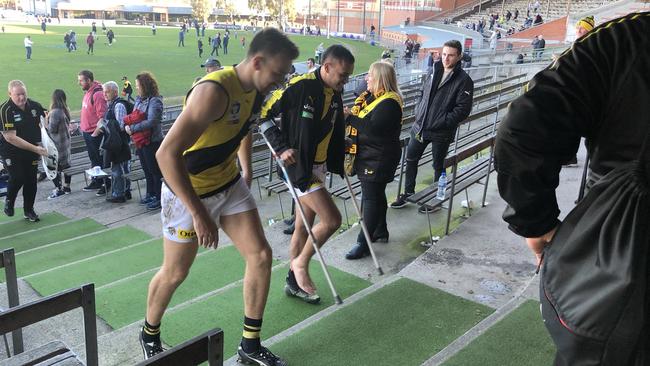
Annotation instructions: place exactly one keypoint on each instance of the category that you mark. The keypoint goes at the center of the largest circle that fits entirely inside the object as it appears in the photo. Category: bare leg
(245, 230)
(177, 260)
(320, 203)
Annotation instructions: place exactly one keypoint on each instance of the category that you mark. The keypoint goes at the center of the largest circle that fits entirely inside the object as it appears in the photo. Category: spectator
(203, 29)
(311, 65)
(153, 28)
(493, 40)
(211, 64)
(508, 15)
(538, 20)
(90, 41)
(200, 47)
(150, 103)
(516, 14)
(243, 42)
(58, 126)
(93, 108)
(181, 37)
(520, 59)
(535, 45)
(446, 101)
(115, 143)
(377, 120)
(226, 39)
(20, 147)
(584, 26)
(28, 47)
(215, 47)
(127, 89)
(43, 26)
(66, 41)
(93, 28)
(582, 95)
(110, 36)
(73, 40)
(541, 44)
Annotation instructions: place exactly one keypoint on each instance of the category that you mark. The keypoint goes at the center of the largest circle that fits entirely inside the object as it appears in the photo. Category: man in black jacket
(601, 96)
(311, 141)
(446, 102)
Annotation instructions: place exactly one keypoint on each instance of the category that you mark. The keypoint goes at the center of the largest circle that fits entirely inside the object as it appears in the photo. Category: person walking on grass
(90, 41)
(204, 190)
(28, 47)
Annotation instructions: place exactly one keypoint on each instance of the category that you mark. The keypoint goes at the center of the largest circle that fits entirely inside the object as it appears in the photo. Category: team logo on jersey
(34, 114)
(235, 108)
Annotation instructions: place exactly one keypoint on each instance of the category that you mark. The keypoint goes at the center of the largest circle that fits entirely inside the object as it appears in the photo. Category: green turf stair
(44, 234)
(18, 216)
(9, 229)
(225, 309)
(402, 323)
(520, 339)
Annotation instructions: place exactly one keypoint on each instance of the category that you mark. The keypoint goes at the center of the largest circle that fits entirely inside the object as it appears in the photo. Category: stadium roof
(133, 6)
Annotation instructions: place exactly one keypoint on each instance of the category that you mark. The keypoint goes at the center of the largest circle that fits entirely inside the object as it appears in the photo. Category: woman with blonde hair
(375, 123)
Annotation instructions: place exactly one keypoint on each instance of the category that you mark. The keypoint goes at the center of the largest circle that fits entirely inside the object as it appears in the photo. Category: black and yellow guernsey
(211, 161)
(311, 122)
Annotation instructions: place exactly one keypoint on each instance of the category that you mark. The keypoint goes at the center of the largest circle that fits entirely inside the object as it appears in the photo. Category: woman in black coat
(375, 123)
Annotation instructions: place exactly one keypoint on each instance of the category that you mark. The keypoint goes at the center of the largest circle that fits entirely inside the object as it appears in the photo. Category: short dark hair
(271, 42)
(454, 44)
(338, 52)
(87, 74)
(311, 59)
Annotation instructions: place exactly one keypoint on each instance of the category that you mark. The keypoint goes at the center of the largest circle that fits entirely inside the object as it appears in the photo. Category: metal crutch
(292, 191)
(363, 225)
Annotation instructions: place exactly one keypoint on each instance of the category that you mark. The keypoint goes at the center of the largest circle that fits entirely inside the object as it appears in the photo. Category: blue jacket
(153, 107)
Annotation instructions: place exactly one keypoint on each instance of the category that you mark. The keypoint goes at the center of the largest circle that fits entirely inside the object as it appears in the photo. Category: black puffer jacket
(599, 89)
(451, 104)
(378, 147)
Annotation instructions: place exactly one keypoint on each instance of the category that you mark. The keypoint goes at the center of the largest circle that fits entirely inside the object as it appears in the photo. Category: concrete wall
(554, 30)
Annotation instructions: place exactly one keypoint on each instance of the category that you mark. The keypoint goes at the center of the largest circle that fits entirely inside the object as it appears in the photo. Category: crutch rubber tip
(338, 300)
(381, 271)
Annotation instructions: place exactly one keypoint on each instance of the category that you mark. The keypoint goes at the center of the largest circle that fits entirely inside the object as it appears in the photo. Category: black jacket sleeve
(542, 128)
(271, 109)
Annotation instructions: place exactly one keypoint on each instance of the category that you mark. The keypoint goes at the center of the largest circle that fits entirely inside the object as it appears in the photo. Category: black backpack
(594, 287)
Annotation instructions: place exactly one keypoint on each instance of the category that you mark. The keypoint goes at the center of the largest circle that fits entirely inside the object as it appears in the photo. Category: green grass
(125, 302)
(20, 226)
(520, 339)
(30, 240)
(135, 50)
(403, 323)
(225, 310)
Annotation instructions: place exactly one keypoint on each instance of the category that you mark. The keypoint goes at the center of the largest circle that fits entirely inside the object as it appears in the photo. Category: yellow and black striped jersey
(211, 161)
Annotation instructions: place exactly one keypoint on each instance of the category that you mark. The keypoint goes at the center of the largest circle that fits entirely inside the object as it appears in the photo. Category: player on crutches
(311, 142)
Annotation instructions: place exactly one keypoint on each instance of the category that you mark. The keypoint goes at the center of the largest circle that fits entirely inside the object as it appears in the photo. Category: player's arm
(207, 102)
(244, 156)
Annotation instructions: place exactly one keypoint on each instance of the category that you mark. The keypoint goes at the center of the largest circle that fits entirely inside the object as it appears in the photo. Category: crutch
(363, 225)
(292, 191)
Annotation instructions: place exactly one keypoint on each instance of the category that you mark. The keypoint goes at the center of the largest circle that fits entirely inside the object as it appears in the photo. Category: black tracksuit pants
(22, 174)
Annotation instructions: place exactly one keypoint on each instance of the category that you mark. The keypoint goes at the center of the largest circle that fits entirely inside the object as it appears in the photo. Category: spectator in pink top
(90, 41)
(93, 108)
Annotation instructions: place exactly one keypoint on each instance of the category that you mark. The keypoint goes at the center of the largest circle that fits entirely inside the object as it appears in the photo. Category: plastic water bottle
(442, 185)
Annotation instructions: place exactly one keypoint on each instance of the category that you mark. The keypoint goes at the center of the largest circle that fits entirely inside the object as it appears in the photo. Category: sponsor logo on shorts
(186, 234)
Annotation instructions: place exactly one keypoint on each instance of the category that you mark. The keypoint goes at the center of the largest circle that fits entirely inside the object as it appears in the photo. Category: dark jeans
(29, 52)
(414, 152)
(147, 155)
(373, 201)
(92, 145)
(91, 48)
(22, 174)
(225, 49)
(214, 50)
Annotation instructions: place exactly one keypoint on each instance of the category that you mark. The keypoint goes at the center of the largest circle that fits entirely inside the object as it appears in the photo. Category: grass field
(134, 50)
